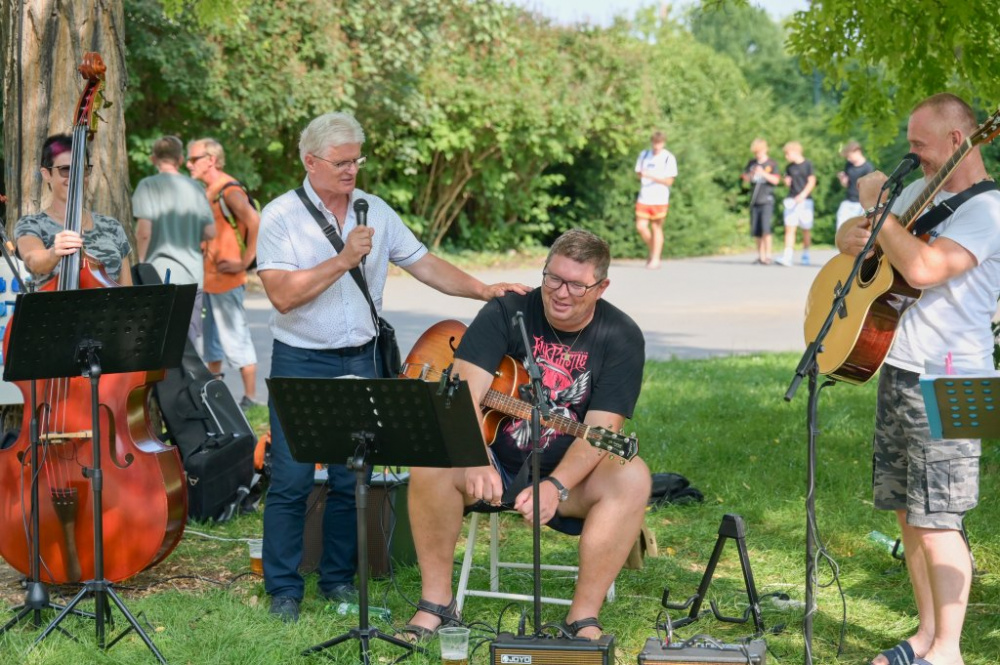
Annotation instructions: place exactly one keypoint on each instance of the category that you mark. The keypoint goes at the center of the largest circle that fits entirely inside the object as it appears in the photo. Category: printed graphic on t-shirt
(568, 382)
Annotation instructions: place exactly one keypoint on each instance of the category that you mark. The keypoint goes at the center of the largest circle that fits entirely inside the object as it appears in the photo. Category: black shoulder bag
(388, 347)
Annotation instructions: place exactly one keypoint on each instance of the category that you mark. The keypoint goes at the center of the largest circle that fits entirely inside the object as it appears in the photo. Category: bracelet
(874, 209)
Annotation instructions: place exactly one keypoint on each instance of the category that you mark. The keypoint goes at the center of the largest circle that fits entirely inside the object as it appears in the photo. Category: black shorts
(760, 219)
(512, 486)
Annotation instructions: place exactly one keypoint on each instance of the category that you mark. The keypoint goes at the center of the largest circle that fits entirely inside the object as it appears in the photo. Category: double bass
(144, 497)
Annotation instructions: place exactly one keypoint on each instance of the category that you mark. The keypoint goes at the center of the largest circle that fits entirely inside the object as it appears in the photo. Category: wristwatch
(563, 492)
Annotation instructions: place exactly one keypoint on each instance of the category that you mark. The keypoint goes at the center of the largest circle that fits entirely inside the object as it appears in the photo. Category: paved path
(690, 308)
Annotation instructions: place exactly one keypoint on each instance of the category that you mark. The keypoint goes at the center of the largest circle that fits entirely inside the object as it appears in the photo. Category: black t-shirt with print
(598, 370)
(854, 174)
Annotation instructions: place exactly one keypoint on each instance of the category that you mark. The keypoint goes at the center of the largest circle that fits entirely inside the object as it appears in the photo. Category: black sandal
(447, 613)
(575, 627)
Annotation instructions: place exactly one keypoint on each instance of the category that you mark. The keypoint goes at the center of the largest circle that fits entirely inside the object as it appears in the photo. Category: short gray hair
(329, 131)
(583, 247)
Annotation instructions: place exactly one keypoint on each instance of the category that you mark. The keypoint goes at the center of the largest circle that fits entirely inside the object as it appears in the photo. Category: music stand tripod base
(376, 422)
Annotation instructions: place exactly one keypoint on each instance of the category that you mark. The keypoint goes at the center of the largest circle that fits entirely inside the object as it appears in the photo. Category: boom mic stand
(808, 366)
(535, 393)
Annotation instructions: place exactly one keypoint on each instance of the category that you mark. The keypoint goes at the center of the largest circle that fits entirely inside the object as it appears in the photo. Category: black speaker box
(508, 649)
(388, 522)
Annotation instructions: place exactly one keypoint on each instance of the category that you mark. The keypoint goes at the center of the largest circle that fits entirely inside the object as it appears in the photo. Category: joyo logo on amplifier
(506, 659)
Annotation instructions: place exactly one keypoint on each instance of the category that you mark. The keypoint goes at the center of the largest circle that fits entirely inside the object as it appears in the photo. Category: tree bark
(43, 42)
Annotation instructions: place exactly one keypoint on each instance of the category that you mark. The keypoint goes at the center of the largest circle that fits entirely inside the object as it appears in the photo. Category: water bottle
(885, 541)
(351, 609)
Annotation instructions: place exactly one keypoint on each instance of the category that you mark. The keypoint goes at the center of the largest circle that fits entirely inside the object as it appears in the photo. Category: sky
(601, 11)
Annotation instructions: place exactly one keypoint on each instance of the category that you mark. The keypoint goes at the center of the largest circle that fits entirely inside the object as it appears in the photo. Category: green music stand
(962, 407)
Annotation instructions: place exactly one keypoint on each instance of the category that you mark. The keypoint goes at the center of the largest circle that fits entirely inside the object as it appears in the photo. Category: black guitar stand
(368, 422)
(36, 595)
(733, 528)
(114, 330)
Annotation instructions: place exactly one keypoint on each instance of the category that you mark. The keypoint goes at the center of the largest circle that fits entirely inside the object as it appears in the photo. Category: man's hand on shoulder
(492, 291)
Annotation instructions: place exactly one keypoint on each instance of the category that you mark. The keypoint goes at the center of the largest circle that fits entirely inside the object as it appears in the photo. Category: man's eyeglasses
(576, 289)
(195, 158)
(344, 165)
(64, 170)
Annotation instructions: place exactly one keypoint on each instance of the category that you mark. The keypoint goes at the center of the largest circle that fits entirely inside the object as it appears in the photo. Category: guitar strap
(944, 210)
(331, 234)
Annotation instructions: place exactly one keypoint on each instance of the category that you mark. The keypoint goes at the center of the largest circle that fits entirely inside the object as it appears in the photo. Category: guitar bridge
(842, 310)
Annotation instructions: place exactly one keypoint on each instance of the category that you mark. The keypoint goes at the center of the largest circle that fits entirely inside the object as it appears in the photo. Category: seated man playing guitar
(591, 356)
(930, 483)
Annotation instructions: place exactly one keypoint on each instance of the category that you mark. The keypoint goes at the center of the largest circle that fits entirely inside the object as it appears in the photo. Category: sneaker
(805, 259)
(285, 608)
(341, 593)
(247, 403)
(782, 261)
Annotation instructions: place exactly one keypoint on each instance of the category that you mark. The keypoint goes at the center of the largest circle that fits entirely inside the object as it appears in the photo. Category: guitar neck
(934, 185)
(519, 409)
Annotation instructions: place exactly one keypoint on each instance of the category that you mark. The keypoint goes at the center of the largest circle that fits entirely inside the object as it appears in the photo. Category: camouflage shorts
(936, 481)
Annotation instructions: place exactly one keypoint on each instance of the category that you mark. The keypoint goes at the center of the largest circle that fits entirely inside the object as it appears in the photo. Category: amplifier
(508, 649)
(703, 653)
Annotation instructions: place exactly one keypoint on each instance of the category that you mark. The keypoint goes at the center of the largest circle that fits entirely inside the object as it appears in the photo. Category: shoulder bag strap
(943, 210)
(331, 234)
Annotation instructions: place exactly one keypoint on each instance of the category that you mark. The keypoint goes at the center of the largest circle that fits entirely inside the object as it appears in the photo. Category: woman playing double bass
(41, 238)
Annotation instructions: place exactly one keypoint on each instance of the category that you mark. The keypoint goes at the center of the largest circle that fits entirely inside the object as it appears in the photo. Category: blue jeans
(292, 481)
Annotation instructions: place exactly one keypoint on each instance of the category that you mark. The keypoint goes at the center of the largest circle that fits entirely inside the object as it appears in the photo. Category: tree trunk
(43, 42)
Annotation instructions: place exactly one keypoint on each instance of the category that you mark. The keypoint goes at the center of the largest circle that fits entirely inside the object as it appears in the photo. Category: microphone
(909, 163)
(361, 212)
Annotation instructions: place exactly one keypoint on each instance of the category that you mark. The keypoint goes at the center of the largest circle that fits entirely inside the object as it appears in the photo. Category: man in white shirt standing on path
(657, 168)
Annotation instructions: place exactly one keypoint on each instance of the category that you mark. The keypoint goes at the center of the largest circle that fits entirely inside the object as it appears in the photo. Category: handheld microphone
(361, 212)
(909, 163)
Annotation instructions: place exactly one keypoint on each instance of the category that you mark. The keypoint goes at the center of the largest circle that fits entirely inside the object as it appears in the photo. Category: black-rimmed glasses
(576, 289)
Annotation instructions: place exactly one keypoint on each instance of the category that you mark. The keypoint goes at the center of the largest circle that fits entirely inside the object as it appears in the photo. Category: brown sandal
(416, 634)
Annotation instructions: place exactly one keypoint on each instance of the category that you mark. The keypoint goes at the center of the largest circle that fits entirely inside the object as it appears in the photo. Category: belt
(352, 350)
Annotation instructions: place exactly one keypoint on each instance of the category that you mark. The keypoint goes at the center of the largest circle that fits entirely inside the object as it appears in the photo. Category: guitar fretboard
(519, 409)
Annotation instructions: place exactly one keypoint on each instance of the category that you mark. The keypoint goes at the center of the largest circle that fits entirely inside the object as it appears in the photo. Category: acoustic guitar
(434, 352)
(863, 329)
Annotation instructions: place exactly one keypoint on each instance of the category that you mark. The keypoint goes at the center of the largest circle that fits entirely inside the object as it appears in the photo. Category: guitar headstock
(987, 131)
(615, 443)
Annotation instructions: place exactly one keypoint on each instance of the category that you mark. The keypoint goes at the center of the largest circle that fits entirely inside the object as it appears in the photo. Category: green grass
(724, 425)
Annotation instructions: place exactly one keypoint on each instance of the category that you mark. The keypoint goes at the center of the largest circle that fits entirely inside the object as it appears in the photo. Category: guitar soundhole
(868, 269)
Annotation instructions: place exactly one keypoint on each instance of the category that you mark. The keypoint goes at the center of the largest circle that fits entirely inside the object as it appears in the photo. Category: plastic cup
(454, 645)
(256, 548)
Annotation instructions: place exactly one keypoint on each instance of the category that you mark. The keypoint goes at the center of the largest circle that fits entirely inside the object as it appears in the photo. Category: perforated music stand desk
(135, 326)
(89, 333)
(362, 422)
(962, 407)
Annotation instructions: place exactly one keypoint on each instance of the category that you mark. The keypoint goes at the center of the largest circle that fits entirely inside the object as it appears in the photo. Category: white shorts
(848, 210)
(799, 214)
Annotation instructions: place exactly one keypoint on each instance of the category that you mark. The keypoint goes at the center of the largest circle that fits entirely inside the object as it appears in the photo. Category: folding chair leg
(470, 545)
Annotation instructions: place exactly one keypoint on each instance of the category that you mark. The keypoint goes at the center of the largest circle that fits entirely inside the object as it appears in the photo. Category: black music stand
(404, 422)
(90, 332)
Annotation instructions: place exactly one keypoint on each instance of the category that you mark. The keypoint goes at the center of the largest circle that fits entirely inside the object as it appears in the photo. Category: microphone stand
(808, 366)
(36, 595)
(535, 393)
